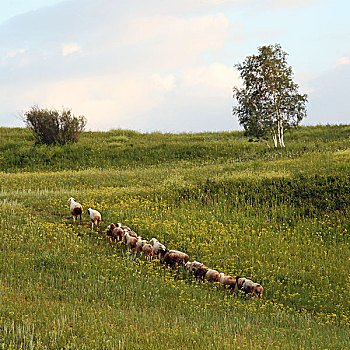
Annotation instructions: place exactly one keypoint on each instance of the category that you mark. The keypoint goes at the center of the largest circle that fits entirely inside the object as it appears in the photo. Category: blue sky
(166, 65)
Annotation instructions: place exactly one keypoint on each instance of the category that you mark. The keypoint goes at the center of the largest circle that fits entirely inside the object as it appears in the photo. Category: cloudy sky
(166, 65)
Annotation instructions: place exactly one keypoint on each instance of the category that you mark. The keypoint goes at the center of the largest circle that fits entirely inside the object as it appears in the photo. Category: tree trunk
(274, 138)
(280, 134)
(279, 122)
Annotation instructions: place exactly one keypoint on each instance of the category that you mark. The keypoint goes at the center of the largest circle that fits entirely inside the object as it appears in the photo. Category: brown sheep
(147, 251)
(123, 227)
(250, 287)
(174, 258)
(109, 230)
(139, 244)
(197, 269)
(227, 281)
(212, 275)
(115, 233)
(239, 282)
(258, 290)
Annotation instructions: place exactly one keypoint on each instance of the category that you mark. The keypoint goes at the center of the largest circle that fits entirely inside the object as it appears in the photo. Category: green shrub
(54, 127)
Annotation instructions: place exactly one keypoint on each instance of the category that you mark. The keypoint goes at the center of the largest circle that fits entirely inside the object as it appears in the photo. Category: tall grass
(120, 148)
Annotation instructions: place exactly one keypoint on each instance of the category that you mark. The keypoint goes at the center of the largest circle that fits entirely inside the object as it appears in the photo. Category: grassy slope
(280, 217)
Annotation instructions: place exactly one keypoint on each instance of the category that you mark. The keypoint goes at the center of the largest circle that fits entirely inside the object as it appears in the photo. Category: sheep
(197, 269)
(130, 241)
(227, 281)
(115, 233)
(123, 227)
(75, 208)
(212, 275)
(188, 266)
(239, 282)
(109, 231)
(139, 244)
(258, 290)
(175, 258)
(147, 251)
(250, 287)
(95, 217)
(130, 233)
(159, 249)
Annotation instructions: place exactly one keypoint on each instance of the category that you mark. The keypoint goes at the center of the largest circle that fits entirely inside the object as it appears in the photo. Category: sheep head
(258, 290)
(153, 241)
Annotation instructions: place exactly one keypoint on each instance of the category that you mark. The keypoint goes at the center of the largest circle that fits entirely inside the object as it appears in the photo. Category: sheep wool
(159, 249)
(130, 241)
(75, 208)
(95, 217)
(147, 251)
(212, 275)
(175, 258)
(227, 281)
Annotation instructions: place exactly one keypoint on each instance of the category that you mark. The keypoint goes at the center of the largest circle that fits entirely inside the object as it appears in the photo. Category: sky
(165, 65)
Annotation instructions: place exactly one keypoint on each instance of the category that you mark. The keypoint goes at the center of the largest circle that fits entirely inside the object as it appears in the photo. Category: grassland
(280, 217)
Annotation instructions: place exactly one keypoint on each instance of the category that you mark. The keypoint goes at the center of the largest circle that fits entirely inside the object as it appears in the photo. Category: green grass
(280, 217)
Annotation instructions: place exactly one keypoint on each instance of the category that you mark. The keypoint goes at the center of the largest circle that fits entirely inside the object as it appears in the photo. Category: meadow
(278, 216)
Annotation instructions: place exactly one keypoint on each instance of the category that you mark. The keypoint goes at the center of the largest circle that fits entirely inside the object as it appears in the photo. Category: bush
(54, 127)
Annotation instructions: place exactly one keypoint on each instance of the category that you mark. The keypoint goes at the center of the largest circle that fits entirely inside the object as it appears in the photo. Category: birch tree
(268, 104)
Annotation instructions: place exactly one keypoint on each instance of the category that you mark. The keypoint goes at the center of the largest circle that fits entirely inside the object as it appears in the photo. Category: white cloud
(171, 42)
(69, 48)
(199, 98)
(167, 82)
(215, 76)
(14, 53)
(343, 60)
(132, 69)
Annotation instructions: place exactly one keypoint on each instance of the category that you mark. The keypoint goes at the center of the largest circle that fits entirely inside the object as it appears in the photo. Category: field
(279, 217)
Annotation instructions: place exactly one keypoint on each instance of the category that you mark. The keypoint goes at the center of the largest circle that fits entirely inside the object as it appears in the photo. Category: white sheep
(95, 217)
(75, 208)
(130, 233)
(159, 249)
(130, 241)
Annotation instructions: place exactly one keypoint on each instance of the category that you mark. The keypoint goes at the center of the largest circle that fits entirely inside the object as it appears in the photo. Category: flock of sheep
(173, 258)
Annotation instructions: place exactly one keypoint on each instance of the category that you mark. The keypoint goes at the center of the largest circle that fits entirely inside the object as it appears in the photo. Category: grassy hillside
(279, 217)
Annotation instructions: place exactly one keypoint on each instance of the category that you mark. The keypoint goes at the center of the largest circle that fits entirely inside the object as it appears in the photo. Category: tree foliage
(269, 102)
(54, 127)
